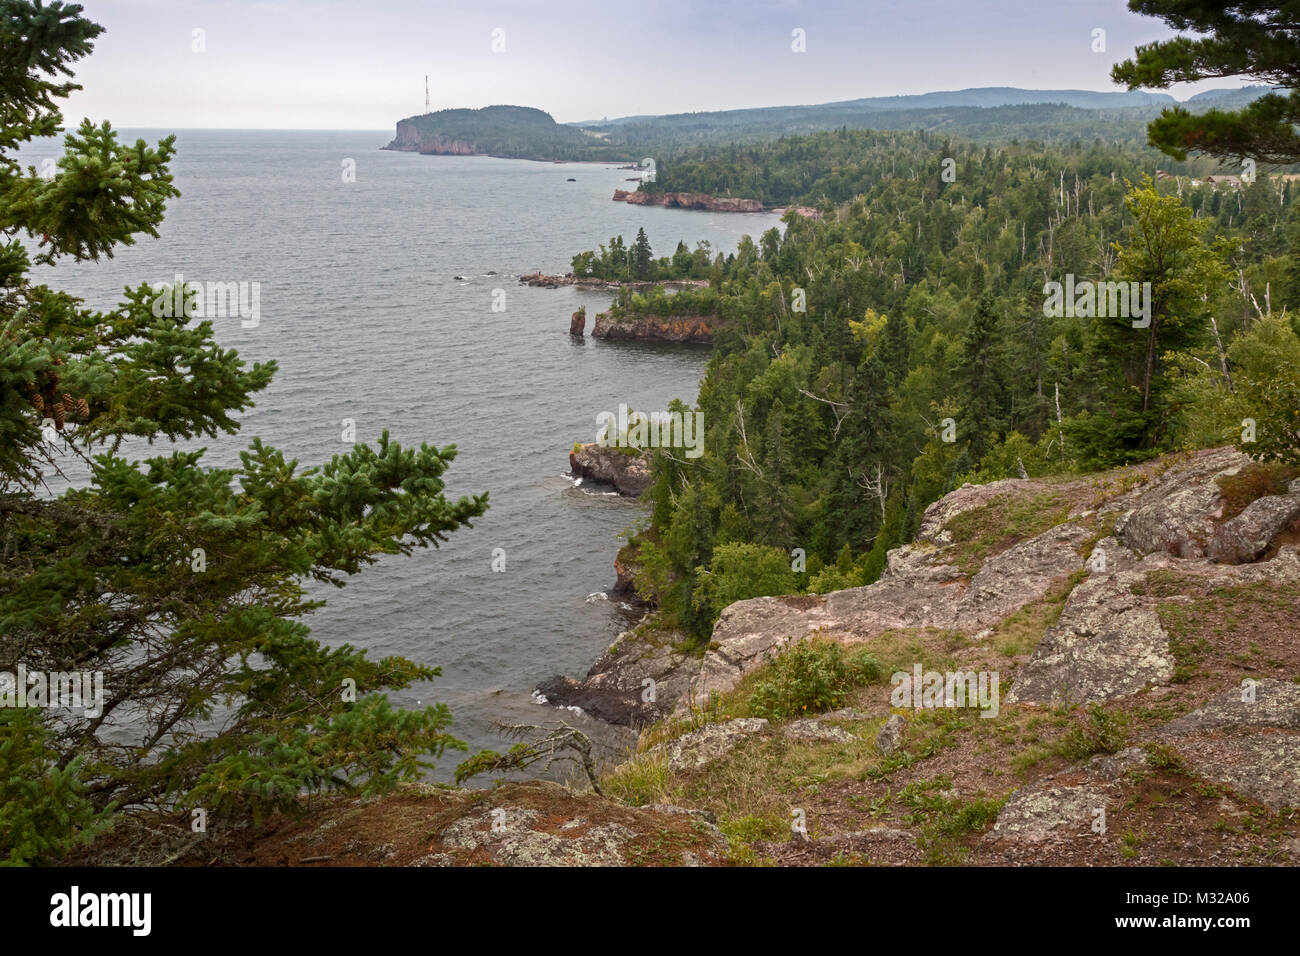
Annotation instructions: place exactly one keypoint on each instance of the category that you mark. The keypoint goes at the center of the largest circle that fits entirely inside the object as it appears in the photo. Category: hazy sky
(340, 64)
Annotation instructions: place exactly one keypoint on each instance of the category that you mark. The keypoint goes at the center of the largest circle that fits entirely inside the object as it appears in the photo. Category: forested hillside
(840, 164)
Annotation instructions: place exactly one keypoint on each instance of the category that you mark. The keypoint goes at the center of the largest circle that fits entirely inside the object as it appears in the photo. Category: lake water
(361, 309)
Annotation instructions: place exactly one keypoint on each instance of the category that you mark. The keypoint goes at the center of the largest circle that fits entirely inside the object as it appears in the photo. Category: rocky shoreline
(703, 201)
(1109, 642)
(542, 281)
(679, 329)
(688, 201)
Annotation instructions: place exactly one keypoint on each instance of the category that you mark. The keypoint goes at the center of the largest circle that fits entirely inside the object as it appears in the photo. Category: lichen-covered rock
(1107, 643)
(1041, 812)
(1265, 703)
(1176, 512)
(699, 748)
(890, 737)
(968, 497)
(1248, 738)
(1263, 766)
(551, 826)
(1066, 805)
(919, 589)
(815, 730)
(1248, 536)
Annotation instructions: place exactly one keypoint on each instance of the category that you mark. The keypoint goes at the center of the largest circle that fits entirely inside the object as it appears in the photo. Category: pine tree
(982, 388)
(641, 257)
(1257, 39)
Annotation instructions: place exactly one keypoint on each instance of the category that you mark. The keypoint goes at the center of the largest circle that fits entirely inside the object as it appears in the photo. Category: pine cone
(83, 409)
(38, 403)
(58, 415)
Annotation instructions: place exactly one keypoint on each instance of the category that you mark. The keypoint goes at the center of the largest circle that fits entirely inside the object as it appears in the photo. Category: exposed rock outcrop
(687, 201)
(578, 322)
(629, 474)
(1178, 512)
(1066, 805)
(699, 748)
(544, 824)
(1247, 536)
(919, 589)
(1248, 738)
(634, 683)
(693, 329)
(1109, 642)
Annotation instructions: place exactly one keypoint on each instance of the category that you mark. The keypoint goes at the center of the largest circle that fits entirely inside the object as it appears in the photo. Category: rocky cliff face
(628, 474)
(1108, 641)
(692, 329)
(410, 140)
(687, 201)
(1136, 593)
(1113, 535)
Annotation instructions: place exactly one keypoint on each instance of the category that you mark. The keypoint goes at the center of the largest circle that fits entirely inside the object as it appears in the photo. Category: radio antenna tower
(426, 94)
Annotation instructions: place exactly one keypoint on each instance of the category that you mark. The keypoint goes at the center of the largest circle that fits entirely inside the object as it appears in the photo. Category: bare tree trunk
(1223, 358)
(1151, 364)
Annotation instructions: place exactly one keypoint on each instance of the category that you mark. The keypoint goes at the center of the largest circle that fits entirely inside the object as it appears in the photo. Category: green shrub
(1103, 732)
(810, 677)
(43, 812)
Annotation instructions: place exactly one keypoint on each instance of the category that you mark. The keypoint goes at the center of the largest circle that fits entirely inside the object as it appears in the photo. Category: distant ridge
(981, 96)
(982, 114)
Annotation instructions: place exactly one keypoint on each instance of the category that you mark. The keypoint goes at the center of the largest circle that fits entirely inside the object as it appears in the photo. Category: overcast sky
(342, 64)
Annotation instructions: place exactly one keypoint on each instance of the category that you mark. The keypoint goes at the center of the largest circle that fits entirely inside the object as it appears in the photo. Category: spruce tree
(182, 584)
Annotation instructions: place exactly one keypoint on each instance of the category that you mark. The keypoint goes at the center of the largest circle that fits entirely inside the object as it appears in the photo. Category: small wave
(597, 597)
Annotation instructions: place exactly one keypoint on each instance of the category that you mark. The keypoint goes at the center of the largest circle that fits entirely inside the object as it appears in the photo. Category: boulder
(578, 323)
(1107, 643)
(1248, 536)
(699, 748)
(1176, 512)
(890, 737)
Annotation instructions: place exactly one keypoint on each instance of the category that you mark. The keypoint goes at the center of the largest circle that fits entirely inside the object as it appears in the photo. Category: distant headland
(508, 132)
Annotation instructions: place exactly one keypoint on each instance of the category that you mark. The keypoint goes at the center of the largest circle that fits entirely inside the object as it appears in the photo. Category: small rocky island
(626, 471)
(638, 197)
